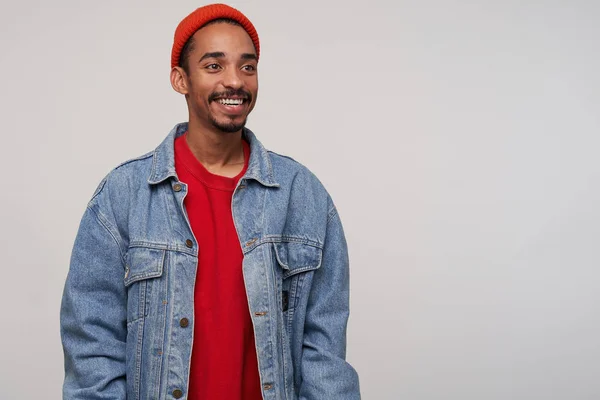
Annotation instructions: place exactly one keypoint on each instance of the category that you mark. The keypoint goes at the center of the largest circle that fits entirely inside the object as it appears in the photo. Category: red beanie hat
(203, 15)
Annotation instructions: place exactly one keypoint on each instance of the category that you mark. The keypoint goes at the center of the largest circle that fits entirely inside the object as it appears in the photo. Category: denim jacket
(133, 268)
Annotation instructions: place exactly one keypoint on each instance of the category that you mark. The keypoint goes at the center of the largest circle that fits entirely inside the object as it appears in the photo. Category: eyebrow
(249, 56)
(220, 54)
(214, 54)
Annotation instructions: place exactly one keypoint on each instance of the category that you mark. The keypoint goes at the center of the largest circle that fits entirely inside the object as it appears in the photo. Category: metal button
(189, 243)
(177, 187)
(177, 393)
(267, 386)
(184, 322)
(250, 242)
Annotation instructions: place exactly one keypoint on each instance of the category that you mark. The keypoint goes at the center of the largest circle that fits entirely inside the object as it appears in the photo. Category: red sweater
(224, 364)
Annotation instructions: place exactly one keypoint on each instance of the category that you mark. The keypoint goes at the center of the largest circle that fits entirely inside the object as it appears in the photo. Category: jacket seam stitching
(332, 213)
(152, 177)
(160, 246)
(103, 222)
(283, 239)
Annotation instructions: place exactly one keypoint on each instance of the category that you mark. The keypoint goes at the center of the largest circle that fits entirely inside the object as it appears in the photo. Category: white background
(459, 140)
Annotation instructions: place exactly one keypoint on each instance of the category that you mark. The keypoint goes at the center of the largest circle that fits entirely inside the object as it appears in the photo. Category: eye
(249, 68)
(213, 66)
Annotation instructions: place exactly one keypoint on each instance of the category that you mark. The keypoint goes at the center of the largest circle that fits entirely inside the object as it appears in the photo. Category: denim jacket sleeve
(93, 312)
(325, 372)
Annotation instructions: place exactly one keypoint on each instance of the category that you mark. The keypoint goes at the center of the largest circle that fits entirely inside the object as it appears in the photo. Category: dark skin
(220, 91)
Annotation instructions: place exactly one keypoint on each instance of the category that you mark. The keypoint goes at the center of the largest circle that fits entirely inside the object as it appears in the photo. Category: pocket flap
(143, 263)
(297, 257)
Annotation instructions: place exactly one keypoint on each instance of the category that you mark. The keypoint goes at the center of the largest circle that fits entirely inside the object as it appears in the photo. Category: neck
(215, 149)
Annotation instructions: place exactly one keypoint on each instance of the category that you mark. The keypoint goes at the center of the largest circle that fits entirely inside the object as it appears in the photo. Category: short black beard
(230, 127)
(227, 128)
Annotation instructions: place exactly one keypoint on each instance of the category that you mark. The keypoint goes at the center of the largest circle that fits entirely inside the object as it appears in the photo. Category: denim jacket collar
(163, 164)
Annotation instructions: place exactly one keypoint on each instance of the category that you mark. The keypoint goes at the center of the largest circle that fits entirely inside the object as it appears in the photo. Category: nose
(232, 78)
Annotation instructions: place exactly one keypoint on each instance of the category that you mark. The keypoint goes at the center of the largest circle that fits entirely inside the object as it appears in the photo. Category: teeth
(231, 102)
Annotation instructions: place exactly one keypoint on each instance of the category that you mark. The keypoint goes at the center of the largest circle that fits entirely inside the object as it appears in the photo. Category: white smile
(231, 102)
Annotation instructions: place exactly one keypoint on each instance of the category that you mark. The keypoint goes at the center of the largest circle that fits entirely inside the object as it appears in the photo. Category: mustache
(230, 93)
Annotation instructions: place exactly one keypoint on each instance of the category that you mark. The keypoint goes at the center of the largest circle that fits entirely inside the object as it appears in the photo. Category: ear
(179, 80)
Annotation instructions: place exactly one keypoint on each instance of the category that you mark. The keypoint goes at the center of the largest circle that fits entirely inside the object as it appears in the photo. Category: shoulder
(299, 179)
(286, 167)
(129, 174)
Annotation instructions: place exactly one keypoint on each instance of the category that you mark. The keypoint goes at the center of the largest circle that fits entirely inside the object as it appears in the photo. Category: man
(209, 268)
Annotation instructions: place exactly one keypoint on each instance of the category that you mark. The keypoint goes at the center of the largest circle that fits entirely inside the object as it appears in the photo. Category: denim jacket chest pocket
(295, 260)
(143, 267)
